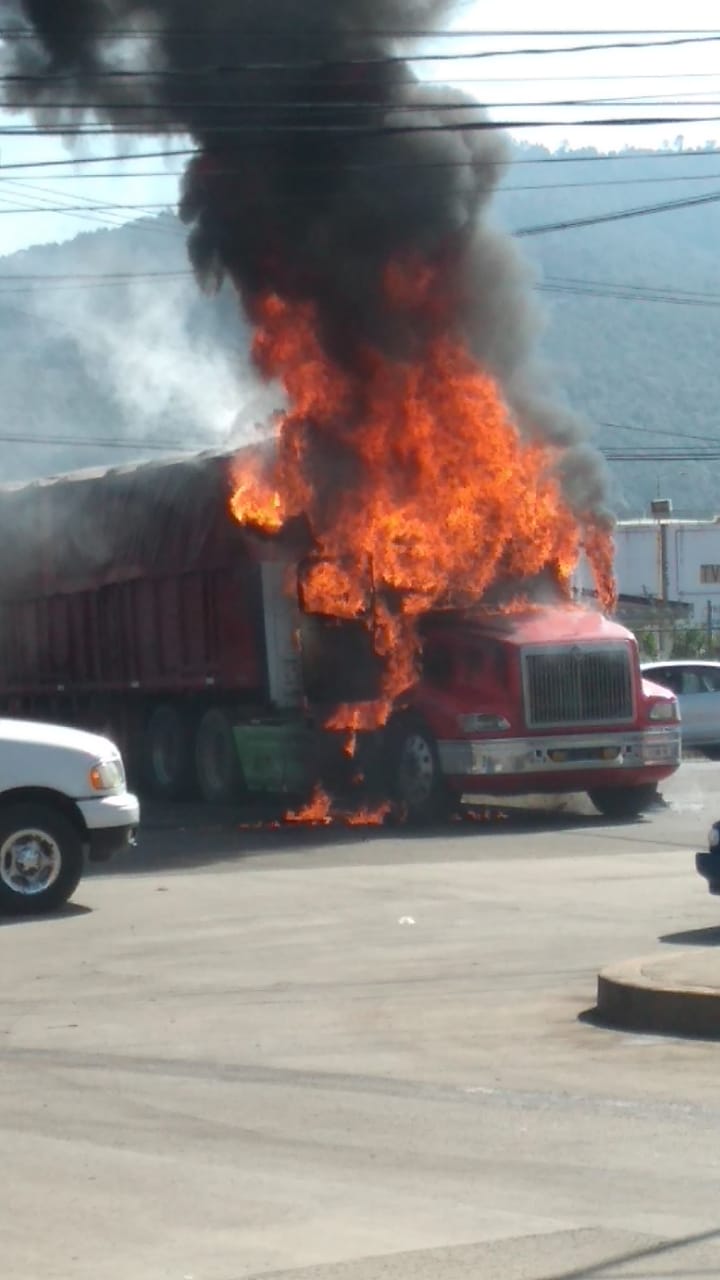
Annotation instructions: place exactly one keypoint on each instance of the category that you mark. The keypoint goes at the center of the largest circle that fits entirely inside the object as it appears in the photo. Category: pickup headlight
(480, 722)
(665, 711)
(107, 776)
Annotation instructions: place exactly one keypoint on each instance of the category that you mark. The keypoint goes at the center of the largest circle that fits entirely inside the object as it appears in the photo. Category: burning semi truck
(226, 659)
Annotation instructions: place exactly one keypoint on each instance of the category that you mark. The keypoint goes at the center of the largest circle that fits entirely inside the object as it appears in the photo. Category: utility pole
(660, 507)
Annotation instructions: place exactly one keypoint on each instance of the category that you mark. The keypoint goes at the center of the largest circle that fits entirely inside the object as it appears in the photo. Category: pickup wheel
(217, 765)
(168, 754)
(41, 859)
(624, 802)
(417, 781)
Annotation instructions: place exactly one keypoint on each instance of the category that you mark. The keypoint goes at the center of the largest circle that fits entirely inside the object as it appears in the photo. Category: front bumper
(708, 866)
(112, 823)
(563, 754)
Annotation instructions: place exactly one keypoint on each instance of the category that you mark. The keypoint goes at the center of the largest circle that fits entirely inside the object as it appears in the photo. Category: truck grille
(577, 686)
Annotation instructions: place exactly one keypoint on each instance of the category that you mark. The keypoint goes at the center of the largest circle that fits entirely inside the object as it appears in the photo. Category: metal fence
(678, 640)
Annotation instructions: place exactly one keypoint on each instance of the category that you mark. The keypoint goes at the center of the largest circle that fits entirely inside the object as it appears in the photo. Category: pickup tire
(624, 802)
(418, 785)
(41, 859)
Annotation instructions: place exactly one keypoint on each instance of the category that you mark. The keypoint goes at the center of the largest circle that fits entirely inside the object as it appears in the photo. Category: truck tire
(417, 783)
(167, 754)
(624, 802)
(217, 765)
(41, 859)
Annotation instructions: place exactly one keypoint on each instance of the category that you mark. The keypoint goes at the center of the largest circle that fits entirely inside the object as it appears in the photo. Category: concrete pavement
(351, 1058)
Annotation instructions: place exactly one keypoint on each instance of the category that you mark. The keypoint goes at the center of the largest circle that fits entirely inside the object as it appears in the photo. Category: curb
(634, 996)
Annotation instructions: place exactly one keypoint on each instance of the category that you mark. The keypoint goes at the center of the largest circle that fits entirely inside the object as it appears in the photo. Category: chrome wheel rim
(30, 862)
(417, 769)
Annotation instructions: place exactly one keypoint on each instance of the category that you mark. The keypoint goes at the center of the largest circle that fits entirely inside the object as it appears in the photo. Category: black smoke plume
(321, 157)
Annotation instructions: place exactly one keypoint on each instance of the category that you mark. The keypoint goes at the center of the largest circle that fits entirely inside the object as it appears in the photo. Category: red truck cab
(550, 699)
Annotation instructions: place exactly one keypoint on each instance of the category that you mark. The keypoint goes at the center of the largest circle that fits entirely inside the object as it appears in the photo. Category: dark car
(708, 864)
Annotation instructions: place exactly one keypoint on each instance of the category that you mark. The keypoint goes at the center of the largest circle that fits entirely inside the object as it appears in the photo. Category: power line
(151, 208)
(628, 295)
(98, 442)
(26, 32)
(536, 186)
(350, 106)
(599, 288)
(651, 455)
(678, 454)
(81, 208)
(603, 182)
(98, 213)
(657, 431)
(263, 132)
(106, 159)
(661, 41)
(620, 215)
(636, 156)
(120, 277)
(640, 288)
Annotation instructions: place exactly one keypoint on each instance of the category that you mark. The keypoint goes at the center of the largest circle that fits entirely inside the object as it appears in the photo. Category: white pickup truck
(62, 798)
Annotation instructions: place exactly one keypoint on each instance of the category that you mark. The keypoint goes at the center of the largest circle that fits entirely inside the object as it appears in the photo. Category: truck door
(281, 616)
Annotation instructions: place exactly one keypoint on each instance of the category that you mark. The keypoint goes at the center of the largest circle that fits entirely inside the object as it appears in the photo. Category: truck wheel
(217, 765)
(41, 859)
(418, 784)
(624, 802)
(167, 751)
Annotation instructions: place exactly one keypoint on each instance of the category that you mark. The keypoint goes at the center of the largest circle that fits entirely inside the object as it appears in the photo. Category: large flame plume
(412, 473)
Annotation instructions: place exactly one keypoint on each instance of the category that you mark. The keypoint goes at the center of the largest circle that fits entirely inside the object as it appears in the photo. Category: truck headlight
(107, 776)
(480, 722)
(665, 711)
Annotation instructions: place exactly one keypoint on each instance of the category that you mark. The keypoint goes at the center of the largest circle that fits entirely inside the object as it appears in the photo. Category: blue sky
(688, 76)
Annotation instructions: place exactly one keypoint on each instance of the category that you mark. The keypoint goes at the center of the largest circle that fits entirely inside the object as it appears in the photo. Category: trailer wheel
(624, 802)
(41, 859)
(418, 784)
(167, 752)
(217, 764)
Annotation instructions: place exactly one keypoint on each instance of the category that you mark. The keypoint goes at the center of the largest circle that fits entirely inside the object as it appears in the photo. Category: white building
(671, 560)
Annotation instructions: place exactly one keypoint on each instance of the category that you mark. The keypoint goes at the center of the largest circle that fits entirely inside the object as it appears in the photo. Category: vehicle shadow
(709, 937)
(183, 837)
(70, 911)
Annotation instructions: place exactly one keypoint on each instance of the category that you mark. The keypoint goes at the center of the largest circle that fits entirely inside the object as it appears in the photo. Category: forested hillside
(151, 359)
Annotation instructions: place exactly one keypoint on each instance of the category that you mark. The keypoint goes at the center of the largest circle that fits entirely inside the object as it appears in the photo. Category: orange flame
(319, 812)
(368, 817)
(412, 466)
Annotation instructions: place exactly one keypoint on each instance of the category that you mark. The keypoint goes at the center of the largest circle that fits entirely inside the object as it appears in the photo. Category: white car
(697, 686)
(62, 798)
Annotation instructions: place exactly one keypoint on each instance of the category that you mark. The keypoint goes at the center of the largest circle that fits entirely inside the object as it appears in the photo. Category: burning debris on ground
(322, 811)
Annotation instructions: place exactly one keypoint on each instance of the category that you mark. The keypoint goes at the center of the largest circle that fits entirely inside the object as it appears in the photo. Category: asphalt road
(361, 1056)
